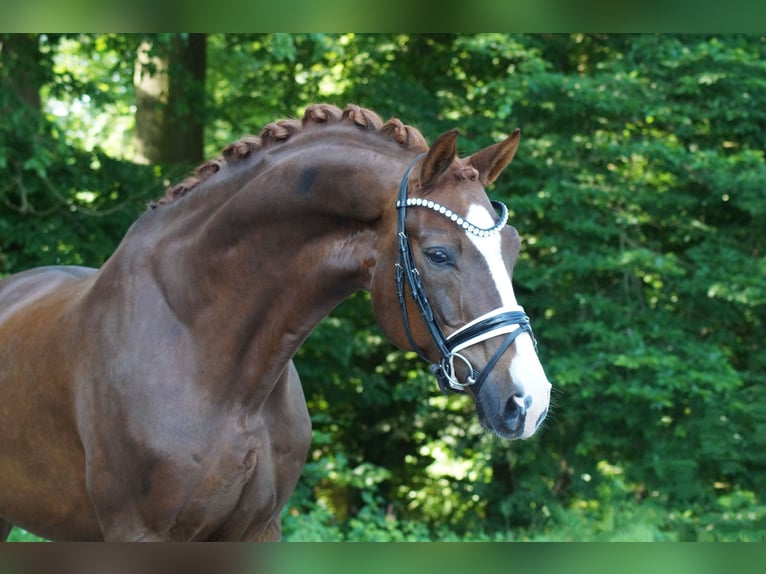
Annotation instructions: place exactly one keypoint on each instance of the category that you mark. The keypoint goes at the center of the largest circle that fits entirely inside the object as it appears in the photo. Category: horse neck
(266, 264)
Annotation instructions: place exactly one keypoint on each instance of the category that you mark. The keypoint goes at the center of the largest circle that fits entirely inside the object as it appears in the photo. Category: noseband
(511, 322)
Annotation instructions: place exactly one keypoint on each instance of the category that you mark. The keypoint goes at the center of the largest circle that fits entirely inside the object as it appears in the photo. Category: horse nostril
(522, 402)
(516, 410)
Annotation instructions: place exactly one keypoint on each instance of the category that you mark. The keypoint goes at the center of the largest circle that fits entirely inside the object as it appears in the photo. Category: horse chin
(504, 427)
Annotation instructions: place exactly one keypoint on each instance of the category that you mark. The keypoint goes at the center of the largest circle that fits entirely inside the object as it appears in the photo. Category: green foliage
(639, 190)
(20, 535)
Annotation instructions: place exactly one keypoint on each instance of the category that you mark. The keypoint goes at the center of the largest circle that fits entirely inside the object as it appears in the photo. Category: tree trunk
(170, 99)
(23, 73)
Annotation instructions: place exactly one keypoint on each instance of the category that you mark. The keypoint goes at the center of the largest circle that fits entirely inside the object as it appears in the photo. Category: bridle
(511, 322)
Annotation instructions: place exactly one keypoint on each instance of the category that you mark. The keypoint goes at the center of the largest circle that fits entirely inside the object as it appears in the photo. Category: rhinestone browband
(448, 213)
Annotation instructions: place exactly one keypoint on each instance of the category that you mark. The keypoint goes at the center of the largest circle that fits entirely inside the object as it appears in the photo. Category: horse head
(454, 256)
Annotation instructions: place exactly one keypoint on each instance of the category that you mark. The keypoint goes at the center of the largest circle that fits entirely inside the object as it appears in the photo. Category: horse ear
(492, 160)
(439, 157)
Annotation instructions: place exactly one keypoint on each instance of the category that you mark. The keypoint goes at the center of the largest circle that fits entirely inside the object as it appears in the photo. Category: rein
(511, 322)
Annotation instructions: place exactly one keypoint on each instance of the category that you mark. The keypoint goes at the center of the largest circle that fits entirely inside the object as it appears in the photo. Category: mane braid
(281, 131)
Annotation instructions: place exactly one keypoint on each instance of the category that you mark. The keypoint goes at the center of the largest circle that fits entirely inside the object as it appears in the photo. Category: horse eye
(439, 257)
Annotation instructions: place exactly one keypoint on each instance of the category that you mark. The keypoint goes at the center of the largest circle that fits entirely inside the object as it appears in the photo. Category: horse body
(126, 424)
(155, 398)
(38, 440)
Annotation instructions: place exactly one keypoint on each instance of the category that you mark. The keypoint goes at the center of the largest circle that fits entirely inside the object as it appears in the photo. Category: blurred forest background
(639, 190)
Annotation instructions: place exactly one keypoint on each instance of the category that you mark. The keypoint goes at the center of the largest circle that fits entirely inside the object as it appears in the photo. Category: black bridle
(511, 322)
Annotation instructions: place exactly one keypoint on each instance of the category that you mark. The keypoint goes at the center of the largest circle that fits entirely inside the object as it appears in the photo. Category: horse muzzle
(519, 416)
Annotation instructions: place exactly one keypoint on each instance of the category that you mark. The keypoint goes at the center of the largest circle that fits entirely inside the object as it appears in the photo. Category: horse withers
(156, 398)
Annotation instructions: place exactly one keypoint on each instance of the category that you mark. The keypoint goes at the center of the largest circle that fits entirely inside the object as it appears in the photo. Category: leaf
(36, 165)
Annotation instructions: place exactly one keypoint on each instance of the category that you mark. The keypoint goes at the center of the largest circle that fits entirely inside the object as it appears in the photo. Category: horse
(156, 399)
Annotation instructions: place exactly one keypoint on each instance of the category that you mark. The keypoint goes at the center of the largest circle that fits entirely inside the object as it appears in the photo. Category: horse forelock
(282, 131)
(466, 172)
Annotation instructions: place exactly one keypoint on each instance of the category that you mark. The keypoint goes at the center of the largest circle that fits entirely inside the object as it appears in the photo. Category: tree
(25, 68)
(58, 203)
(170, 96)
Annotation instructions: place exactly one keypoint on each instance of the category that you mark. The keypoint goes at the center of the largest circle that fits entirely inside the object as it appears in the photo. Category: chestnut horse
(155, 398)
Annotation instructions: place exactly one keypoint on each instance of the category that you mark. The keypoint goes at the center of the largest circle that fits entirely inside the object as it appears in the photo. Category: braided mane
(282, 130)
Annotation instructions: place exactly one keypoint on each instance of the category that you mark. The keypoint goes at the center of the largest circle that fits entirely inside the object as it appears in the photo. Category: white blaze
(525, 369)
